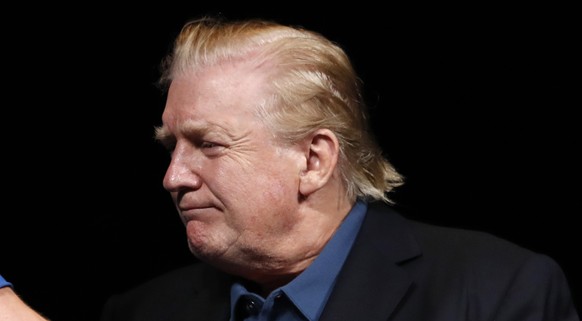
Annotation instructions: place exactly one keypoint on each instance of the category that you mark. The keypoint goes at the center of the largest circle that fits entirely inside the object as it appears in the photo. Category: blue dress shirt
(4, 283)
(303, 298)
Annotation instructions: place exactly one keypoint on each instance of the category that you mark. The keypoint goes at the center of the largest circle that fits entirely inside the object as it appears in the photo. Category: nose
(182, 172)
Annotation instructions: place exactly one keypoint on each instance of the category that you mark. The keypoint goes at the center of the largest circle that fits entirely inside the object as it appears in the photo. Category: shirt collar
(310, 290)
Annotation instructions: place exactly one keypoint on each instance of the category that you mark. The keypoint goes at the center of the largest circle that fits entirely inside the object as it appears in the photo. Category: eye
(208, 145)
(211, 149)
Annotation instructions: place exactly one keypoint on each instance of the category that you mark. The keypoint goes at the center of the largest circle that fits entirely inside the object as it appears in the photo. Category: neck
(298, 249)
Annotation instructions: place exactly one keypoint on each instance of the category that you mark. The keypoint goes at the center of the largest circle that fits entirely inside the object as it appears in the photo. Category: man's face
(235, 187)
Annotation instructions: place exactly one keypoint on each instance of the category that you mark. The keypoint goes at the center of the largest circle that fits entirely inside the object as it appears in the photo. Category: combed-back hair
(313, 85)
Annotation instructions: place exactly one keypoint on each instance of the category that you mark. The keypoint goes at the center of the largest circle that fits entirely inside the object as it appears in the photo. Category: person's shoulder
(479, 251)
(464, 246)
(178, 275)
(434, 236)
(174, 290)
(184, 280)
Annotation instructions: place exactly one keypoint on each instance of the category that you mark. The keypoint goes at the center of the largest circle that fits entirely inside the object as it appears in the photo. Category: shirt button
(251, 307)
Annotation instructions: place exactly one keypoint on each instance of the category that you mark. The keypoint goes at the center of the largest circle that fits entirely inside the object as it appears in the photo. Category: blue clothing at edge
(4, 283)
(304, 298)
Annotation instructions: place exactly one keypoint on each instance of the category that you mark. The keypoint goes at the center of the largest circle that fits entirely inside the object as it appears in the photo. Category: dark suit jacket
(397, 270)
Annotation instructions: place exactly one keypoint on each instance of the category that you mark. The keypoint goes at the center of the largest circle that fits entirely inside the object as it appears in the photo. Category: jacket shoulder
(479, 273)
(170, 296)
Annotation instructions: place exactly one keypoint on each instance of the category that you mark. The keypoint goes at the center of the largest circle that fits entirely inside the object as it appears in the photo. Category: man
(285, 198)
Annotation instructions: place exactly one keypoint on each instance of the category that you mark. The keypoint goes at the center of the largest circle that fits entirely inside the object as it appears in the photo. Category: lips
(193, 208)
(189, 213)
(189, 204)
(187, 201)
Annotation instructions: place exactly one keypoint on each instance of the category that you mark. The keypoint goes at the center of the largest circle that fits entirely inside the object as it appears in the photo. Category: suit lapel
(371, 284)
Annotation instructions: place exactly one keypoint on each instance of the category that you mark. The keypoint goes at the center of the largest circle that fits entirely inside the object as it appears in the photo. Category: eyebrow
(189, 128)
(163, 136)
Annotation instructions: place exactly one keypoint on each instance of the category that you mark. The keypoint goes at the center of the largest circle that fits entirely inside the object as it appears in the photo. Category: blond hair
(314, 86)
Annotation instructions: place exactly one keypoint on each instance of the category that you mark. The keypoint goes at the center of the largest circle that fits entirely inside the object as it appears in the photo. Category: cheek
(260, 194)
(268, 179)
(267, 201)
(261, 188)
(278, 190)
(279, 203)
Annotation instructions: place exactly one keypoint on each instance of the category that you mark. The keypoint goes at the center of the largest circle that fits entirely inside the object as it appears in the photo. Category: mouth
(195, 213)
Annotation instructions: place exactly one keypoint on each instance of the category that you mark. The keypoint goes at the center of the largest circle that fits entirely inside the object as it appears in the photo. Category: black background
(474, 105)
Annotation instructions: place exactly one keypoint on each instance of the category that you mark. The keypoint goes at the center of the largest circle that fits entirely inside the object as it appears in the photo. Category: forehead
(223, 92)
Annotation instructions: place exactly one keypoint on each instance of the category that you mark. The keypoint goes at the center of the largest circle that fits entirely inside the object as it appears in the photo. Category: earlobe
(322, 154)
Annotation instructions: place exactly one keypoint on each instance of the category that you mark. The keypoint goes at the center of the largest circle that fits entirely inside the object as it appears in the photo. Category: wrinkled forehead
(242, 74)
(241, 81)
(238, 88)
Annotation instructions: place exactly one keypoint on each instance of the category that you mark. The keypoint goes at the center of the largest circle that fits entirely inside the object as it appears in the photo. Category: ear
(322, 154)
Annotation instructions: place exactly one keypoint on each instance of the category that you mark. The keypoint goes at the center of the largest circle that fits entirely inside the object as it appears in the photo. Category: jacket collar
(371, 281)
